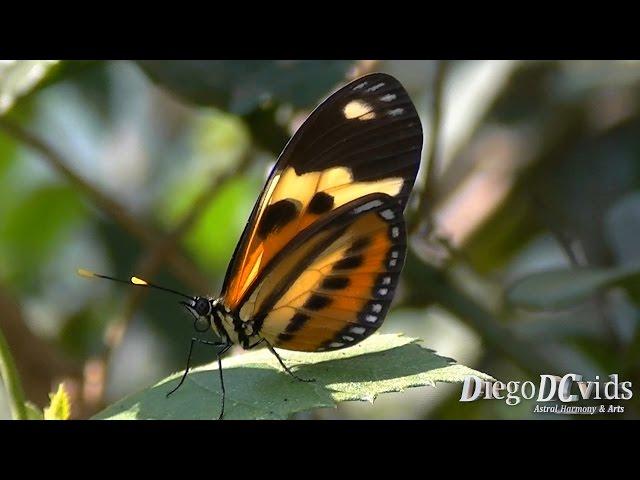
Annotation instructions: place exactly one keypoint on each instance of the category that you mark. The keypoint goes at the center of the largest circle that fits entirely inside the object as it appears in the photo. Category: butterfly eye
(202, 307)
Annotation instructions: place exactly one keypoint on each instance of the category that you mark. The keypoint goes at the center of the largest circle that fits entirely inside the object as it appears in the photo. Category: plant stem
(12, 384)
(427, 194)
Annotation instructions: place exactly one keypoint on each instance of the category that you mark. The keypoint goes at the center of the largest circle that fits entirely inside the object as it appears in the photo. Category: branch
(427, 193)
(102, 201)
(184, 269)
(163, 250)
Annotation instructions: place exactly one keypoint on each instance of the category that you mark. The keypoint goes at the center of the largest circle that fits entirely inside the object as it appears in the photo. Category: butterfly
(318, 262)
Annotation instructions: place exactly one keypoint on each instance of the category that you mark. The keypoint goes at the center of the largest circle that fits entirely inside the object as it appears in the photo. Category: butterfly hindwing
(338, 288)
(366, 138)
(343, 295)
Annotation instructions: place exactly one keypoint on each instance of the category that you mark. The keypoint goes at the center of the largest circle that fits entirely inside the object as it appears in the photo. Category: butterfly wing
(365, 138)
(334, 287)
(344, 294)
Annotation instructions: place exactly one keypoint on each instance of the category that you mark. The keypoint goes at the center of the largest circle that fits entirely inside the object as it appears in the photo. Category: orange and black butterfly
(318, 262)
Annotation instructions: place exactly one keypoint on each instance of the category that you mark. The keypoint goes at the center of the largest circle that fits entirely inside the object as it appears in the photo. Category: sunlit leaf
(60, 406)
(257, 388)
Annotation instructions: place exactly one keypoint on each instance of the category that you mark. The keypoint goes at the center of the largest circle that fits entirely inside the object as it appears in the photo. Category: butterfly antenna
(138, 282)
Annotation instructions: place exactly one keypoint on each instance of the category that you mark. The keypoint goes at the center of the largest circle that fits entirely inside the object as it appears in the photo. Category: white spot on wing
(388, 97)
(388, 214)
(383, 291)
(375, 87)
(394, 254)
(360, 86)
(376, 307)
(371, 318)
(358, 330)
(336, 344)
(367, 206)
(393, 263)
(386, 281)
(347, 338)
(395, 232)
(395, 112)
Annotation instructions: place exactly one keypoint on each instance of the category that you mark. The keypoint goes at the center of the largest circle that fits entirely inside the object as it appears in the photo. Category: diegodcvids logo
(550, 388)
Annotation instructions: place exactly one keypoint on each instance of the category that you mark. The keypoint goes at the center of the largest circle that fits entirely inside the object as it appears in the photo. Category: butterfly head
(201, 308)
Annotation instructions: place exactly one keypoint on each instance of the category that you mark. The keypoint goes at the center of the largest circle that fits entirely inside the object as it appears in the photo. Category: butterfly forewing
(364, 139)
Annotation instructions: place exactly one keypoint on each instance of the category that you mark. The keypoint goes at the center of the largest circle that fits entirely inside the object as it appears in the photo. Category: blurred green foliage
(242, 87)
(539, 171)
(566, 288)
(29, 236)
(253, 90)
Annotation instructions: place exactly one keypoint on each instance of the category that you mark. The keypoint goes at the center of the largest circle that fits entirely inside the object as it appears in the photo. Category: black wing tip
(371, 79)
(377, 76)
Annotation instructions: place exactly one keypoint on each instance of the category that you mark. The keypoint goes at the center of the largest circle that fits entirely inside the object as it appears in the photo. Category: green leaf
(241, 86)
(33, 412)
(60, 407)
(258, 388)
(566, 288)
(19, 77)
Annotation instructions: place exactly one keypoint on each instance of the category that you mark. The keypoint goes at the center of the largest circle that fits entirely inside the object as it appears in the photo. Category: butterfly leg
(287, 369)
(186, 370)
(220, 353)
(259, 342)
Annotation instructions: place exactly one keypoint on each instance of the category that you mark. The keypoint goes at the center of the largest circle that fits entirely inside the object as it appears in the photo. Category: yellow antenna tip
(138, 281)
(85, 273)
